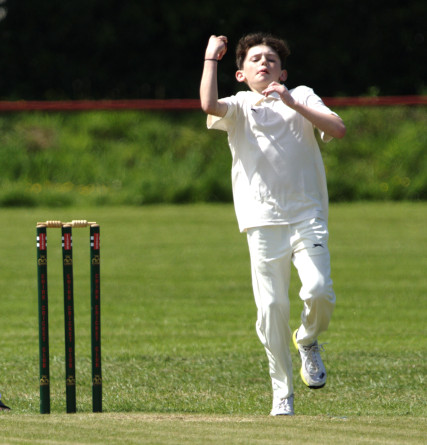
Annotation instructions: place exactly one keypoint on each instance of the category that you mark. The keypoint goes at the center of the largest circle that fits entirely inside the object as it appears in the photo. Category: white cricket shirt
(278, 175)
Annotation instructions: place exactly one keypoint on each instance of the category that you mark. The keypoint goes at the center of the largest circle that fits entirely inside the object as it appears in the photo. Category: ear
(240, 76)
(283, 76)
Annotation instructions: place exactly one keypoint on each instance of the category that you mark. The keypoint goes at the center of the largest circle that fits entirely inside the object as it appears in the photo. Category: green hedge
(382, 157)
(130, 157)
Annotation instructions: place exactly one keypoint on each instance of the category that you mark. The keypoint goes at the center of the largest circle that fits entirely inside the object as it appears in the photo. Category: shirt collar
(260, 98)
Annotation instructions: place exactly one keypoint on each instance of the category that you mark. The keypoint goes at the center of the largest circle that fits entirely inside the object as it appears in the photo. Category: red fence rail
(186, 104)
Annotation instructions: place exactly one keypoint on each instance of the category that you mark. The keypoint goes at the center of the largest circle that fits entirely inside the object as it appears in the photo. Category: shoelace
(286, 404)
(312, 351)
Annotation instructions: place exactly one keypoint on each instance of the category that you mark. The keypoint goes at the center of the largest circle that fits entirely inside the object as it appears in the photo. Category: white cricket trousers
(272, 250)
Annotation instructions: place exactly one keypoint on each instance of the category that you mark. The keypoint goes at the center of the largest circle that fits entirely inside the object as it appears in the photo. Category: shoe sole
(294, 339)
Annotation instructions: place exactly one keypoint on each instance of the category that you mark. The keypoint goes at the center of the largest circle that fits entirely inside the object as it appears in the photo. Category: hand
(283, 92)
(330, 124)
(217, 47)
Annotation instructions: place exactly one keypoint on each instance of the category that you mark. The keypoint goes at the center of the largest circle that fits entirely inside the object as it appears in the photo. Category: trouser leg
(314, 270)
(270, 263)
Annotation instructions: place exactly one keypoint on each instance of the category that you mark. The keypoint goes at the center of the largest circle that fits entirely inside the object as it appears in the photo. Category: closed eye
(269, 56)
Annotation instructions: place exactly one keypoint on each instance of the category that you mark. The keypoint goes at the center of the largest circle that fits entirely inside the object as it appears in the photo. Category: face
(261, 67)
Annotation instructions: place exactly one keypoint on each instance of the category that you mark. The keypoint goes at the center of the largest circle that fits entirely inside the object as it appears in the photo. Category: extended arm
(210, 104)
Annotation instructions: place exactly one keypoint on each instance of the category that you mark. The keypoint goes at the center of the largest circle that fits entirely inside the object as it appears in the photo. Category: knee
(273, 323)
(272, 308)
(319, 290)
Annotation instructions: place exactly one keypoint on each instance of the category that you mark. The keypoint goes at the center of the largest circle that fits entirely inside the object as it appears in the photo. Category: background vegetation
(154, 49)
(100, 158)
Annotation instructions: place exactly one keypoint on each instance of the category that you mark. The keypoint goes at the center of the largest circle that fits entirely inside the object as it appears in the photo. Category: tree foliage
(154, 49)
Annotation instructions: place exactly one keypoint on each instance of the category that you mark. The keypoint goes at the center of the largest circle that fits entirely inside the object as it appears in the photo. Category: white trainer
(313, 372)
(283, 407)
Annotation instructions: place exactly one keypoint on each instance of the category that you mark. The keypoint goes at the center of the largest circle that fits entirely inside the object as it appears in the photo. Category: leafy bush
(382, 157)
(130, 157)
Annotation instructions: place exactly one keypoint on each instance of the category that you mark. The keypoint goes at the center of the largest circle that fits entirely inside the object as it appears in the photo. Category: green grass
(181, 360)
(155, 429)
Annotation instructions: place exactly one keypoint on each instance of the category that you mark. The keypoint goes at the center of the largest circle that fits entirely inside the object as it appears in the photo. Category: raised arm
(217, 47)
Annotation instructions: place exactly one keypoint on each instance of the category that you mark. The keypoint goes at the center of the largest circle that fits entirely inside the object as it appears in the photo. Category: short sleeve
(312, 100)
(223, 123)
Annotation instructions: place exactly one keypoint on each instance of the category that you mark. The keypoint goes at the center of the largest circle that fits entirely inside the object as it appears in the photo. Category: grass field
(181, 360)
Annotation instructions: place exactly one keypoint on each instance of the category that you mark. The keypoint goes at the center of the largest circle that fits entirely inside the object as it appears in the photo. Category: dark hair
(259, 38)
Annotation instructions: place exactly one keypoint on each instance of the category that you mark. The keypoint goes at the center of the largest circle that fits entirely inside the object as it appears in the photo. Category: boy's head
(260, 60)
(259, 38)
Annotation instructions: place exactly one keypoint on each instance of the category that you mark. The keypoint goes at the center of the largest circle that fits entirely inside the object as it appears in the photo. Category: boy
(280, 198)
